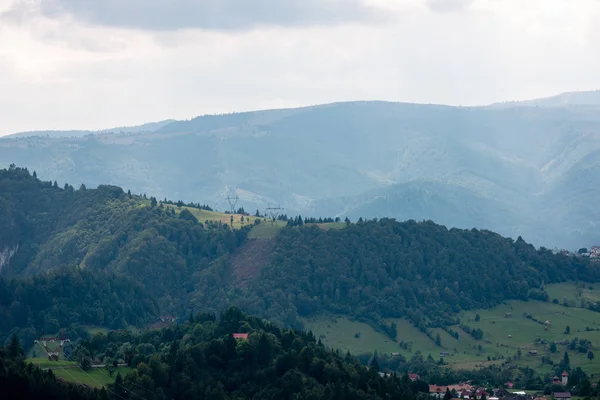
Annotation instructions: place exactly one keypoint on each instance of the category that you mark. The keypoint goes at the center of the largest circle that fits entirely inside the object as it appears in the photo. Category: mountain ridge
(322, 160)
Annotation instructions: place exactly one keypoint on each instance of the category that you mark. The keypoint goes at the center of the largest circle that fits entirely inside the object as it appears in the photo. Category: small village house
(414, 377)
(240, 336)
(562, 396)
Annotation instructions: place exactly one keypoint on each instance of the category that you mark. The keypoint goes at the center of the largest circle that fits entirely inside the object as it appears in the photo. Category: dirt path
(250, 258)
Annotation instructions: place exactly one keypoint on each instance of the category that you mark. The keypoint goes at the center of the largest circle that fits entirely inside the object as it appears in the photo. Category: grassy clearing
(332, 225)
(338, 333)
(96, 377)
(213, 216)
(503, 337)
(45, 363)
(573, 293)
(96, 329)
(265, 230)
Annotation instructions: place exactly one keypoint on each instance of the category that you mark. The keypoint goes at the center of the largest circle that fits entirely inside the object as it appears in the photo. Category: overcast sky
(91, 64)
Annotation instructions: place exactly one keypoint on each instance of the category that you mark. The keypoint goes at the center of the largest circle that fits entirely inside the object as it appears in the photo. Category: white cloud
(59, 72)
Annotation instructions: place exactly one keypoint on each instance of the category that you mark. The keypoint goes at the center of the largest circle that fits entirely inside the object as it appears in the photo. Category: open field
(265, 230)
(96, 329)
(96, 377)
(43, 362)
(213, 216)
(573, 293)
(338, 333)
(503, 336)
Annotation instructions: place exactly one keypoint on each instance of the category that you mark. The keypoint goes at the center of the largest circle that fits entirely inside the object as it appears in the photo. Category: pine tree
(374, 363)
(14, 350)
(448, 394)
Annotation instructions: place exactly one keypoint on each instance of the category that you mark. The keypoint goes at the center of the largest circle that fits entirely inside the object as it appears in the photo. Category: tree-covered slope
(382, 269)
(97, 256)
(200, 359)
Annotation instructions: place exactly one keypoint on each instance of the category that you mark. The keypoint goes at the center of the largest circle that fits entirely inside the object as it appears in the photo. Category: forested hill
(200, 359)
(109, 258)
(96, 256)
(380, 269)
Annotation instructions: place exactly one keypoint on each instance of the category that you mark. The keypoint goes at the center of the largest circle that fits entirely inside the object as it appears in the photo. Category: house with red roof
(414, 377)
(240, 336)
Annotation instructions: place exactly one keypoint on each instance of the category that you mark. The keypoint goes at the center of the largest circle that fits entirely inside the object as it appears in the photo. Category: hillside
(569, 99)
(383, 269)
(200, 359)
(132, 259)
(516, 170)
(97, 256)
(503, 338)
(144, 128)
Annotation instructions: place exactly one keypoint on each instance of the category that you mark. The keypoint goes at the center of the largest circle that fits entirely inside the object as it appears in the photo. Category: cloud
(59, 71)
(448, 5)
(166, 15)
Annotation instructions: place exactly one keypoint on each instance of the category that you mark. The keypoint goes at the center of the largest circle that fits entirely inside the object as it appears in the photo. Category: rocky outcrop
(6, 254)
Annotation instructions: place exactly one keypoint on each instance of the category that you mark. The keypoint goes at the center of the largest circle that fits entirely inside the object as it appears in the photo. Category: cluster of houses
(465, 391)
(593, 253)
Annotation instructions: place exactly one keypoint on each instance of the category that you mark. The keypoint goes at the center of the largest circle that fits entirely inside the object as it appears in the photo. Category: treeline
(190, 205)
(382, 269)
(298, 221)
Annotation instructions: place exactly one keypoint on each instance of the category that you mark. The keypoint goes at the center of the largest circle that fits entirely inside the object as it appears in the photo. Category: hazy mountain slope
(148, 127)
(512, 164)
(587, 98)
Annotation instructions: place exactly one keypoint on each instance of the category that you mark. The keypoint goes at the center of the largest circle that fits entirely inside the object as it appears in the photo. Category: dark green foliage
(97, 256)
(201, 359)
(385, 269)
(59, 299)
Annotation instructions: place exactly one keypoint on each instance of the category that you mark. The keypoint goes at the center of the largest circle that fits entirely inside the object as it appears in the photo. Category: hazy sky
(72, 64)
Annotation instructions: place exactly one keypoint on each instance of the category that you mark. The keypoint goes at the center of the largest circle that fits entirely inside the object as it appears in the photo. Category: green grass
(332, 225)
(502, 336)
(96, 329)
(213, 216)
(338, 333)
(265, 230)
(96, 377)
(43, 362)
(573, 292)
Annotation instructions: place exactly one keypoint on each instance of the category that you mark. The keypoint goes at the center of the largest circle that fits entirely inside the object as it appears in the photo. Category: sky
(94, 64)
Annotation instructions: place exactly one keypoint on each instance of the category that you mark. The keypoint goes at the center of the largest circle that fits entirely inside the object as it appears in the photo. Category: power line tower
(274, 213)
(232, 202)
(53, 353)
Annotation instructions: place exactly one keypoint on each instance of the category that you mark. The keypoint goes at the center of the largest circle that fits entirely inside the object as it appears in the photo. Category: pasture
(507, 329)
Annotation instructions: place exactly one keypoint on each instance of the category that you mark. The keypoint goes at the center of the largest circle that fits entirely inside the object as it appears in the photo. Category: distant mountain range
(525, 168)
(149, 127)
